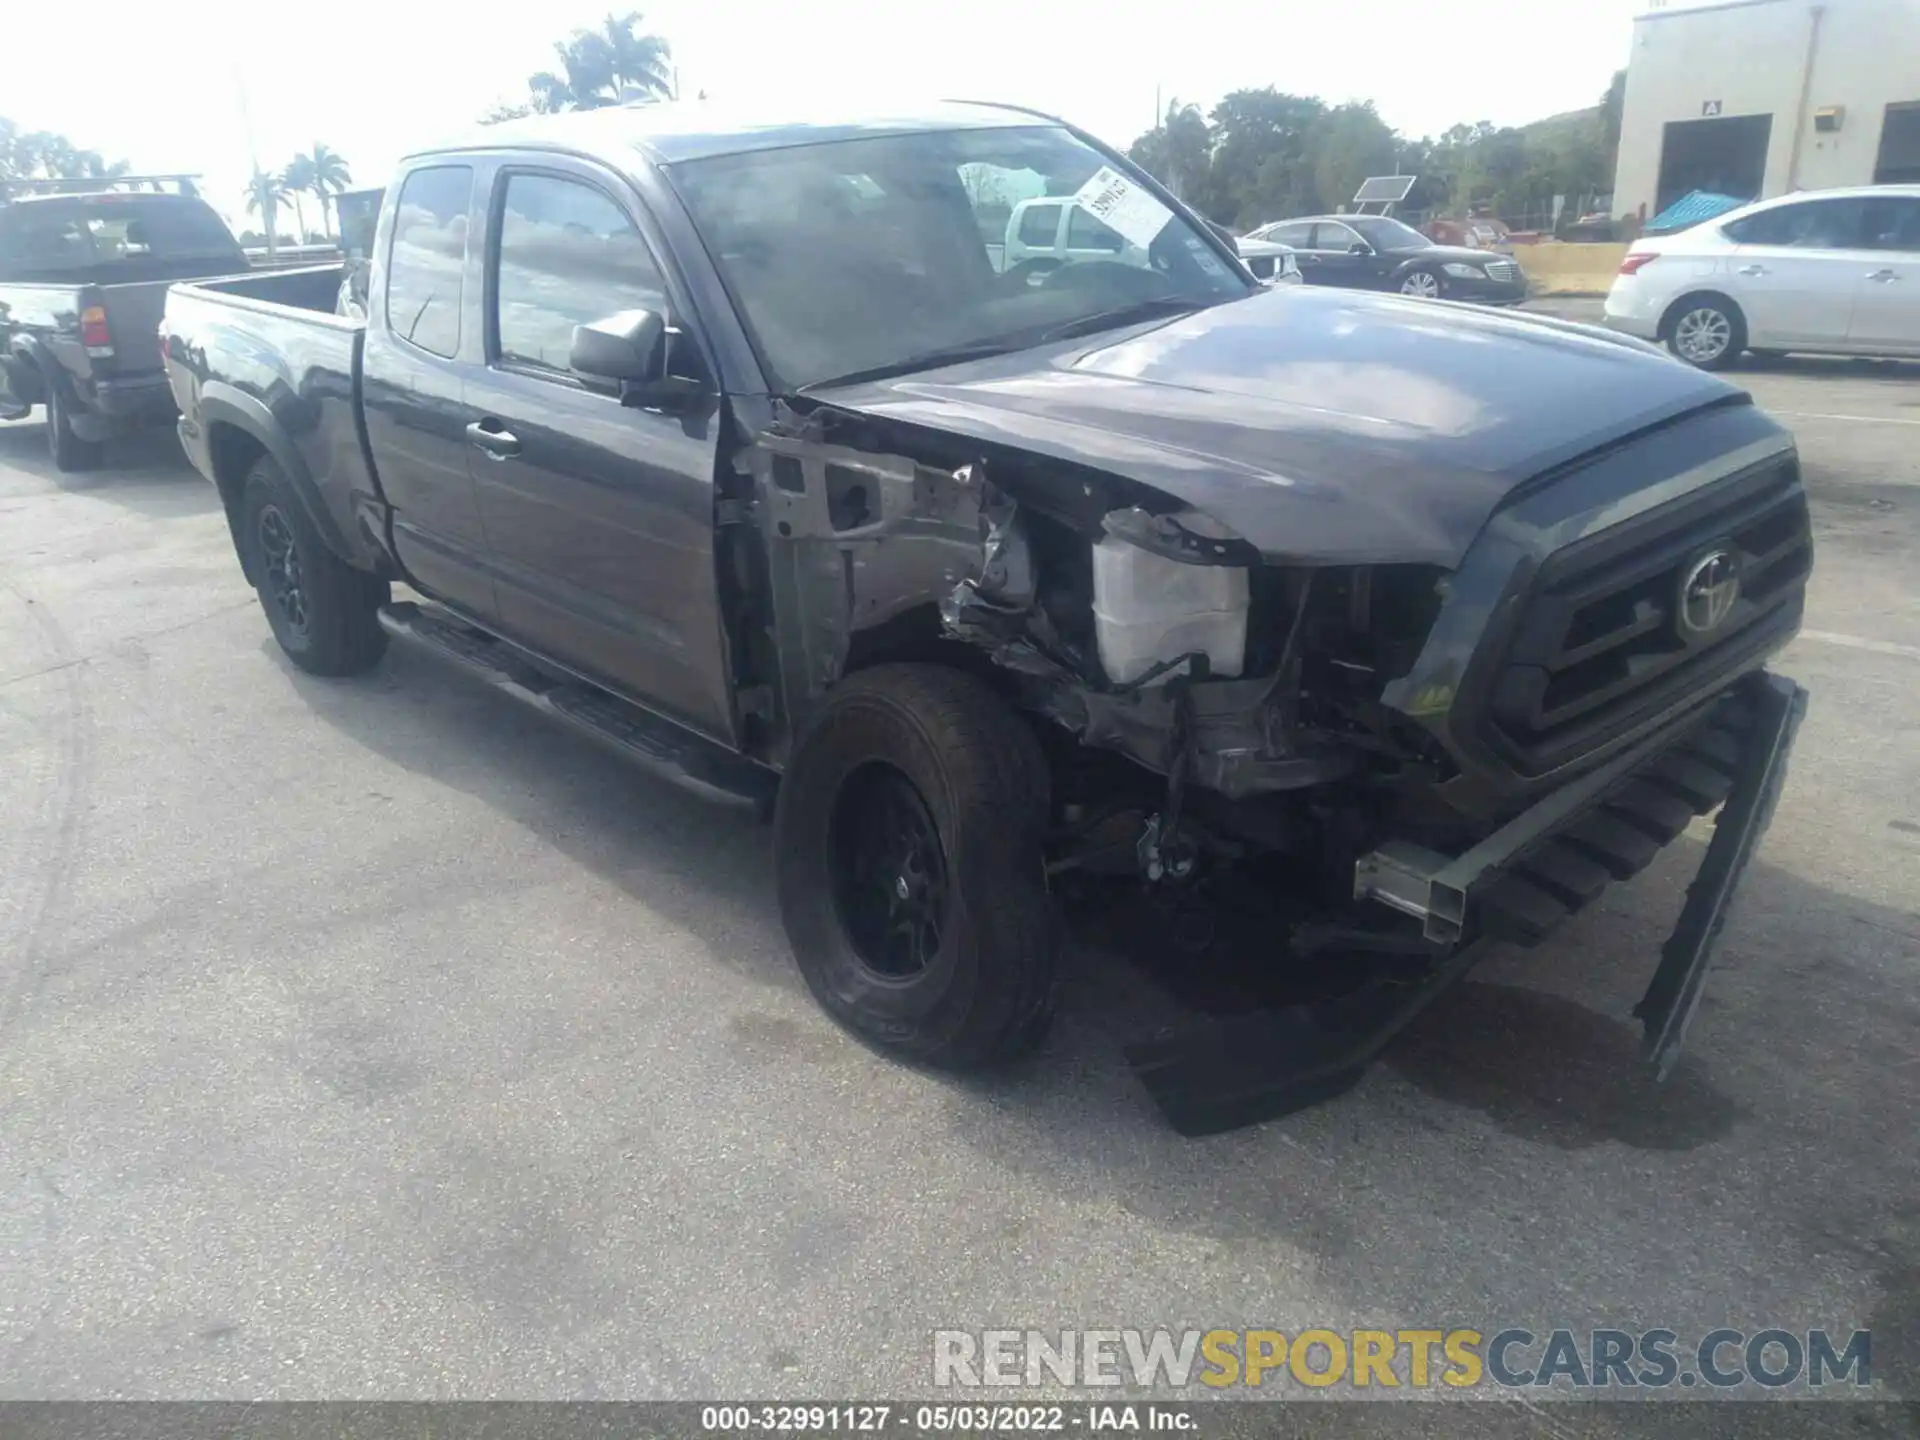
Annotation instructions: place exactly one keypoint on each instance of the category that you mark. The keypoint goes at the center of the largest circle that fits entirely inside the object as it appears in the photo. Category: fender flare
(224, 404)
(26, 352)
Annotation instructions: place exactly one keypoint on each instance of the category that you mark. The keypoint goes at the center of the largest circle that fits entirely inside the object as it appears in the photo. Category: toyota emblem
(1708, 592)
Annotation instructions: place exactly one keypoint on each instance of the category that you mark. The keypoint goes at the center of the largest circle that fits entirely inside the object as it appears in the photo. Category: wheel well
(234, 453)
(1694, 297)
(914, 634)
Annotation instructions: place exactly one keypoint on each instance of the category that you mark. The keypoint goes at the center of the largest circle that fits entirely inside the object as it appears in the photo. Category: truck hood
(1323, 426)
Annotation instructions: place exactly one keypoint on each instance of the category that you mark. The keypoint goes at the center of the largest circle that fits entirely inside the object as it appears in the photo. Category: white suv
(1833, 272)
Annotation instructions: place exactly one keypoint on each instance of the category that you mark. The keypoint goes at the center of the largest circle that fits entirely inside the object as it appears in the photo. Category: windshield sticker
(1123, 205)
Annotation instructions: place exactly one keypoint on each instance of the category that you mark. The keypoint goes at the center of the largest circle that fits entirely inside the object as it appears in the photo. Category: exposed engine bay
(1227, 710)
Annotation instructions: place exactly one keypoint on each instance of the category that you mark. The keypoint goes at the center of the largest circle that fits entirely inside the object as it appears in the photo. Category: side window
(428, 261)
(1039, 225)
(1893, 223)
(1088, 232)
(1816, 225)
(1300, 237)
(1333, 237)
(568, 256)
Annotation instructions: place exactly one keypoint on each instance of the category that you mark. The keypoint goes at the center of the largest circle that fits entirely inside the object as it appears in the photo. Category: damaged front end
(1233, 733)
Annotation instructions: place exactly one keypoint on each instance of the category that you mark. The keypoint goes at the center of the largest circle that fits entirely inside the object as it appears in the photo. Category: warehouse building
(1755, 98)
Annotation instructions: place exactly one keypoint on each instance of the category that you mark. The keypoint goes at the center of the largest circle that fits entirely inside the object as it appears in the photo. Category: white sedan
(1271, 262)
(1830, 272)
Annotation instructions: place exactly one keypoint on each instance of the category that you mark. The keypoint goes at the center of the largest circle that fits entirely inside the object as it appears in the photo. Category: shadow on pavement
(1445, 1181)
(145, 472)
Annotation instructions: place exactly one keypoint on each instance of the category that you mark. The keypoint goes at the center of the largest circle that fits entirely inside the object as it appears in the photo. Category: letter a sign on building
(1709, 108)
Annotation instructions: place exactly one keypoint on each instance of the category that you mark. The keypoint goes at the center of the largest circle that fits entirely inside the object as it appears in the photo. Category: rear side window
(1089, 232)
(1039, 225)
(1893, 223)
(128, 234)
(1816, 225)
(1300, 237)
(427, 264)
(568, 256)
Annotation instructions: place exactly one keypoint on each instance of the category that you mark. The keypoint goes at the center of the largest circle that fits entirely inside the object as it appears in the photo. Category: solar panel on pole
(1385, 191)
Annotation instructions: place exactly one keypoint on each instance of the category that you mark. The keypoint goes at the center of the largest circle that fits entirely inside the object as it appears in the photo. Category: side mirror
(1359, 247)
(630, 347)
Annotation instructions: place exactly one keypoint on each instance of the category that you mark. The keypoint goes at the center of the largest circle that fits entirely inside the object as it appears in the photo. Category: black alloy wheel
(284, 579)
(889, 872)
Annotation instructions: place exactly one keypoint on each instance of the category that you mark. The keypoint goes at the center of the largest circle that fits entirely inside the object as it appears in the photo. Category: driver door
(600, 514)
(1333, 243)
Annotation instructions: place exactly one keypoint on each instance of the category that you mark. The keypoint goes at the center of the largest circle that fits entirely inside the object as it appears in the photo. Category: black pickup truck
(83, 281)
(726, 441)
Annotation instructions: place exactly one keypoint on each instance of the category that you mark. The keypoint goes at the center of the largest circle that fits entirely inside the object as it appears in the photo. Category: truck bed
(283, 351)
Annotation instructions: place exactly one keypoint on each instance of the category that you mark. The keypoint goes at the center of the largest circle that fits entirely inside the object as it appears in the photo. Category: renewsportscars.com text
(1459, 1358)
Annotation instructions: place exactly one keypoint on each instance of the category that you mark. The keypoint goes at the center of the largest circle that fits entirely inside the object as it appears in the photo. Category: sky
(204, 87)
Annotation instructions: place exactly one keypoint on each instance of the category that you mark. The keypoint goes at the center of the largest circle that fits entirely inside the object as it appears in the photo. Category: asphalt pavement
(376, 1038)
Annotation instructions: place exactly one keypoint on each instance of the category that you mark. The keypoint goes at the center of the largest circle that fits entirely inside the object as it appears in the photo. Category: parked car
(83, 280)
(1377, 252)
(1270, 262)
(1835, 272)
(1135, 574)
(1047, 232)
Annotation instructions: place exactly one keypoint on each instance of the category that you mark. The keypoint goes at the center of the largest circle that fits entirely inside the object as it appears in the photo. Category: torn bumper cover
(1607, 825)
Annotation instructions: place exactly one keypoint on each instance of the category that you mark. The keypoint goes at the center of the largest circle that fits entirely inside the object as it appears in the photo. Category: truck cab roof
(667, 132)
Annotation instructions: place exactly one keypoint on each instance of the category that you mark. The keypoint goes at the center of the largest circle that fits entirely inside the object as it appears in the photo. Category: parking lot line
(1861, 642)
(1856, 419)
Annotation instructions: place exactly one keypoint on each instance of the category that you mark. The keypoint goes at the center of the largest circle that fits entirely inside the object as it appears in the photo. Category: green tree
(294, 182)
(323, 174)
(43, 155)
(1262, 166)
(265, 192)
(602, 66)
(1348, 143)
(640, 65)
(1178, 152)
(1612, 105)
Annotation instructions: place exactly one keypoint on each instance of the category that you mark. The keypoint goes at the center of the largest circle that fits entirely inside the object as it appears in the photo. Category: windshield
(887, 254)
(128, 233)
(1385, 234)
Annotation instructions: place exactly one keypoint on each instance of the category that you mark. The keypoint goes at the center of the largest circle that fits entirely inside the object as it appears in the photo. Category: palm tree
(265, 191)
(640, 65)
(294, 182)
(327, 176)
(588, 73)
(604, 66)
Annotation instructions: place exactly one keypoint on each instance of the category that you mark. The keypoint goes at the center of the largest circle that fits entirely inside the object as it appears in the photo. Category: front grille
(1504, 271)
(1601, 644)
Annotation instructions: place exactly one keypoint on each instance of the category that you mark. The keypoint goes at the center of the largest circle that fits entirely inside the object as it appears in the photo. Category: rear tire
(912, 883)
(324, 612)
(69, 451)
(1708, 332)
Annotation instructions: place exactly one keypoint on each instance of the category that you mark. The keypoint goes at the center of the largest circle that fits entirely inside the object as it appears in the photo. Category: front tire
(912, 882)
(1706, 332)
(1422, 285)
(324, 612)
(68, 450)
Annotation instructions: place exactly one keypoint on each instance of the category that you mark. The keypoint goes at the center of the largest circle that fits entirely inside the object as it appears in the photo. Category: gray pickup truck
(84, 274)
(726, 441)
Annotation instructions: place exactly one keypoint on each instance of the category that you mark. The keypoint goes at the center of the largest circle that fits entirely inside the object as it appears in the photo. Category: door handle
(1883, 275)
(1752, 270)
(497, 442)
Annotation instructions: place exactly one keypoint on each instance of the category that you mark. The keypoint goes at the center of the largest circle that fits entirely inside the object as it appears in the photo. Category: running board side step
(668, 750)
